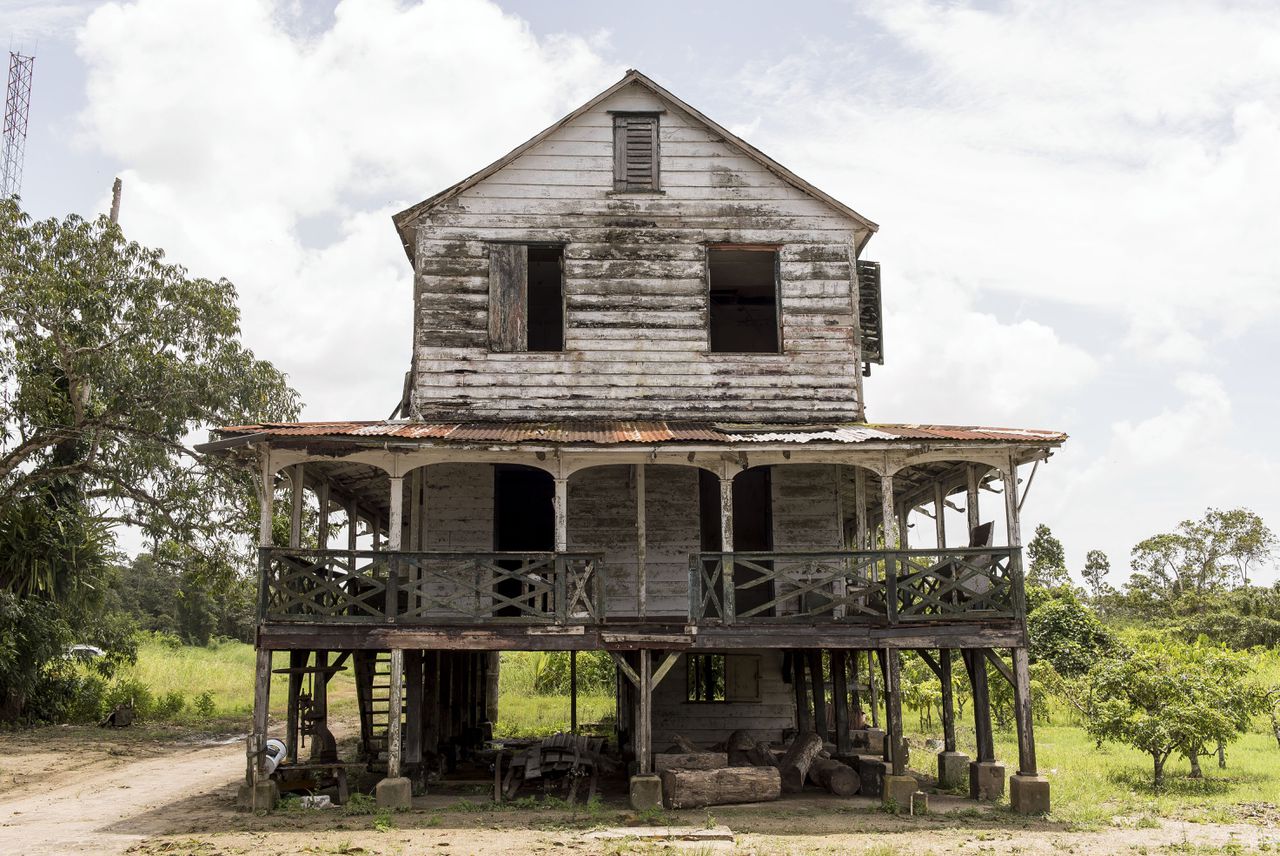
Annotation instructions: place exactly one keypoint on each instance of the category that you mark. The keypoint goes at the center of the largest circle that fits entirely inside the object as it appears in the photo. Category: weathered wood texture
(697, 788)
(835, 776)
(795, 764)
(664, 761)
(635, 285)
(708, 723)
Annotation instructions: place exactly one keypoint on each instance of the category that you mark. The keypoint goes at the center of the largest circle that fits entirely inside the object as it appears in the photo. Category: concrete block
(394, 793)
(1029, 794)
(871, 773)
(953, 770)
(268, 794)
(868, 740)
(986, 780)
(920, 803)
(646, 792)
(899, 790)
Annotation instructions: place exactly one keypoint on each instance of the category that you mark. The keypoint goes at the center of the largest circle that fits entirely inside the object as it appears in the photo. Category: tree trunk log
(685, 746)
(739, 746)
(697, 788)
(795, 764)
(839, 779)
(689, 761)
(761, 755)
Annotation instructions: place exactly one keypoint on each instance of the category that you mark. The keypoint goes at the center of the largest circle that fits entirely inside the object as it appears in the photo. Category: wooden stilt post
(573, 691)
(394, 735)
(840, 698)
(948, 701)
(819, 693)
(414, 694)
(977, 664)
(644, 723)
(893, 712)
(1022, 713)
(871, 690)
(855, 681)
(297, 661)
(258, 739)
(804, 719)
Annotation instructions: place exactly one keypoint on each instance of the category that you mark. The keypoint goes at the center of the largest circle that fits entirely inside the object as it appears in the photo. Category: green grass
(526, 716)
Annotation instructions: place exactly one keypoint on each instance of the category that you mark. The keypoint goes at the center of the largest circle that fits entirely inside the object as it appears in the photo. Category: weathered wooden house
(635, 422)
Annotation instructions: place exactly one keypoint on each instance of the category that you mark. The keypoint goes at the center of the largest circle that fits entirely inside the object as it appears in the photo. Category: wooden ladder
(373, 692)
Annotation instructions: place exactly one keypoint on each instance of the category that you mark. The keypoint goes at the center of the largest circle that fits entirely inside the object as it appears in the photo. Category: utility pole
(115, 200)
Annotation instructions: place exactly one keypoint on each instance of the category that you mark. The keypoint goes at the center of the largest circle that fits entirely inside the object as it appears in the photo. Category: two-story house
(635, 422)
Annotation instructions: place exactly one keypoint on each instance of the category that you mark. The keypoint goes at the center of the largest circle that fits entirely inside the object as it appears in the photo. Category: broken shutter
(869, 316)
(635, 151)
(508, 297)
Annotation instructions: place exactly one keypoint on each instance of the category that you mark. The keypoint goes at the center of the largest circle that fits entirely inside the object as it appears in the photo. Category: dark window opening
(635, 152)
(524, 521)
(546, 299)
(526, 297)
(743, 309)
(752, 532)
(705, 677)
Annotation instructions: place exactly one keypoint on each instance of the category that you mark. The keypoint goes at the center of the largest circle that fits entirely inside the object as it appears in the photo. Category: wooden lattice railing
(881, 586)
(430, 587)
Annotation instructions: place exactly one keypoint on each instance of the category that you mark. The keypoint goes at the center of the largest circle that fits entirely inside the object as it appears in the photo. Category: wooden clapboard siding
(671, 524)
(602, 518)
(459, 501)
(635, 285)
(806, 513)
(708, 723)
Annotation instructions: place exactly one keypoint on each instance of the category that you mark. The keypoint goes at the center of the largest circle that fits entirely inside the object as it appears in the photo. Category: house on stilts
(635, 422)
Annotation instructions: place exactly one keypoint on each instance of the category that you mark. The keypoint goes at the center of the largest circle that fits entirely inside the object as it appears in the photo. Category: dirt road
(105, 807)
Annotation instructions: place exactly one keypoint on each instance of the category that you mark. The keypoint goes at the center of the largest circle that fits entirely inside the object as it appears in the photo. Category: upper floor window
(635, 152)
(526, 297)
(742, 310)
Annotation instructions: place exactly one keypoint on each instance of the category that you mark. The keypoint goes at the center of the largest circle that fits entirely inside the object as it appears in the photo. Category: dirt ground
(84, 790)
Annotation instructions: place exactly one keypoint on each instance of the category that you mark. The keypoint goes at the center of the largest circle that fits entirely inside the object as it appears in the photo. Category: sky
(1079, 202)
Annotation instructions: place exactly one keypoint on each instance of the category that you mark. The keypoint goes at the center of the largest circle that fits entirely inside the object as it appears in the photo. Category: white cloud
(236, 129)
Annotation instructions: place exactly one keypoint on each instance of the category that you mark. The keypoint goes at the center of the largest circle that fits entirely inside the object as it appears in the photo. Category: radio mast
(17, 104)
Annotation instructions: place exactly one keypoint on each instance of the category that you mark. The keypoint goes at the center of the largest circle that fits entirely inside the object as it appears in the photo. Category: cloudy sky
(1079, 202)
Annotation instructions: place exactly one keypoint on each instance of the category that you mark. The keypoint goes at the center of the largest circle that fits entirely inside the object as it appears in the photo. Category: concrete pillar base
(394, 793)
(262, 798)
(899, 791)
(953, 770)
(646, 792)
(986, 780)
(868, 740)
(871, 773)
(1029, 794)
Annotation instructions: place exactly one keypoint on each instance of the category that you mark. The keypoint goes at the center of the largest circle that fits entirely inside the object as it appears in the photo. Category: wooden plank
(1023, 715)
(508, 297)
(840, 698)
(395, 712)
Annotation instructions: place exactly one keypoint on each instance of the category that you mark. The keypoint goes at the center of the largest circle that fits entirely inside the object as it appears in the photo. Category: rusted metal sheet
(622, 432)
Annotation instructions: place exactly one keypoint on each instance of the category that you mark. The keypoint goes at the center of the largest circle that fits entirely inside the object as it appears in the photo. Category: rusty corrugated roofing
(618, 432)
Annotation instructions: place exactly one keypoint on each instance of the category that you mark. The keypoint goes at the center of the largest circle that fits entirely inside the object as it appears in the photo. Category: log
(685, 746)
(837, 778)
(698, 788)
(796, 762)
(689, 761)
(739, 746)
(761, 755)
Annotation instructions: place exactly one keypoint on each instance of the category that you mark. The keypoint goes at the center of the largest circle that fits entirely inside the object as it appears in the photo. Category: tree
(1047, 565)
(1096, 568)
(110, 358)
(1164, 696)
(1063, 631)
(1201, 555)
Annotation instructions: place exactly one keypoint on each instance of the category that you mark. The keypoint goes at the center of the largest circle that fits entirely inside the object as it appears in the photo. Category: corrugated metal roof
(617, 432)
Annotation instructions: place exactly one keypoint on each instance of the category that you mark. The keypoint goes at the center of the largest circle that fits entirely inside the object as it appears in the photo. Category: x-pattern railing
(888, 586)
(430, 587)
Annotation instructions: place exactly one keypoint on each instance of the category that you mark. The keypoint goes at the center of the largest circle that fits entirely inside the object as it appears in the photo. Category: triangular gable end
(405, 218)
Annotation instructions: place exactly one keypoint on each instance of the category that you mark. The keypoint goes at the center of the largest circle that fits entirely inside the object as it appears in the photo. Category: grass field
(1091, 785)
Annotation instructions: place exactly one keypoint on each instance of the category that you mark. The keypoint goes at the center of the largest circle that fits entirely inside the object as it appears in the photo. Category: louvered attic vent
(635, 152)
(869, 315)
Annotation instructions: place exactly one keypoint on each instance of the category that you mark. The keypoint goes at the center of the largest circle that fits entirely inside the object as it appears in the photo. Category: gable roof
(405, 218)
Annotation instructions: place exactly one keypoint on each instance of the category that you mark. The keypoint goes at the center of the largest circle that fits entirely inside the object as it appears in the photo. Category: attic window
(526, 297)
(742, 313)
(635, 152)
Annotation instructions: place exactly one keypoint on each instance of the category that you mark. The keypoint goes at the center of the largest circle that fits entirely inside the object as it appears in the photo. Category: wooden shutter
(741, 677)
(508, 297)
(869, 315)
(635, 152)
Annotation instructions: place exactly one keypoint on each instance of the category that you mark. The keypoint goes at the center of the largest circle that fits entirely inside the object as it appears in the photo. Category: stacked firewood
(748, 770)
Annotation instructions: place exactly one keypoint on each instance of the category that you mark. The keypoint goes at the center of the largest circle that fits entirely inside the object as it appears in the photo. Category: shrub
(203, 705)
(169, 705)
(129, 691)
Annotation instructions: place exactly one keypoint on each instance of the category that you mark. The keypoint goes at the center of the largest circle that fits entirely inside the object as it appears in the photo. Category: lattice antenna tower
(17, 104)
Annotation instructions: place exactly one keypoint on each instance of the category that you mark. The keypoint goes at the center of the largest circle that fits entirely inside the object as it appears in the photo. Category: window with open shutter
(870, 319)
(508, 297)
(635, 152)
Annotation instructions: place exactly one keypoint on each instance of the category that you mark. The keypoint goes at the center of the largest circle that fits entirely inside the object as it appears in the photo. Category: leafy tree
(1063, 631)
(1164, 696)
(1047, 564)
(109, 359)
(1201, 555)
(1096, 567)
